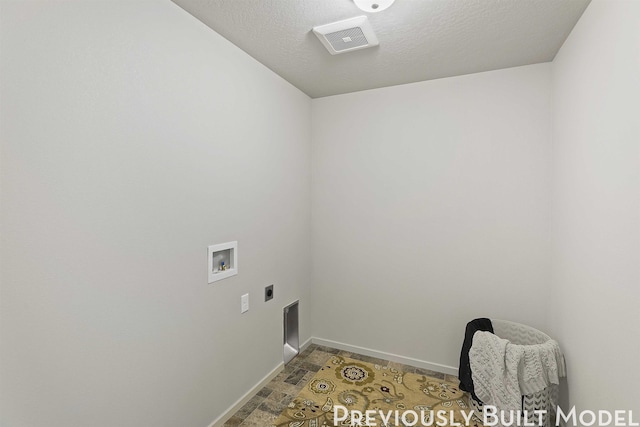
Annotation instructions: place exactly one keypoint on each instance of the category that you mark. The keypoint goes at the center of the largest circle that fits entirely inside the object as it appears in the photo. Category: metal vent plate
(347, 39)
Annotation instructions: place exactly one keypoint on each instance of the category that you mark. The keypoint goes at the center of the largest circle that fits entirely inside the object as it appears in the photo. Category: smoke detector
(373, 5)
(345, 36)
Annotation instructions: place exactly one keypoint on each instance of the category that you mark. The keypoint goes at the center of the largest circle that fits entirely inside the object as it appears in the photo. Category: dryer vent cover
(345, 36)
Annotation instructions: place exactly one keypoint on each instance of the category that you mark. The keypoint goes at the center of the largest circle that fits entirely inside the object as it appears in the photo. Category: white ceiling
(419, 39)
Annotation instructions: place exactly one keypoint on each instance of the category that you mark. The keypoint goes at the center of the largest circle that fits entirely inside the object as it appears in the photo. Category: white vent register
(346, 36)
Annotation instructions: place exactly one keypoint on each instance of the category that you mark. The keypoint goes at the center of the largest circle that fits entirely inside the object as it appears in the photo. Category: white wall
(132, 137)
(596, 206)
(431, 207)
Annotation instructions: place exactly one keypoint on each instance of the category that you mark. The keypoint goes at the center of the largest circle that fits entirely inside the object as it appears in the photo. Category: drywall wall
(133, 136)
(430, 205)
(596, 206)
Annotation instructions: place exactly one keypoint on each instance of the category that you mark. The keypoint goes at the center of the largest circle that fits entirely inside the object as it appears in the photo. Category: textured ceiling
(419, 39)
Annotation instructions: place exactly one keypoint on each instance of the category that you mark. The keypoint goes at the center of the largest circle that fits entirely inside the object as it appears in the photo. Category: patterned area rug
(361, 386)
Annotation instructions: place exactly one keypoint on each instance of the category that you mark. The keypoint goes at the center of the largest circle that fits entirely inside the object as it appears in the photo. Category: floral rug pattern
(362, 386)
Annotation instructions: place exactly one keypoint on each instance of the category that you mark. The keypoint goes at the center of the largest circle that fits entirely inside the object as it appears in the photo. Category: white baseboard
(219, 422)
(305, 344)
(387, 356)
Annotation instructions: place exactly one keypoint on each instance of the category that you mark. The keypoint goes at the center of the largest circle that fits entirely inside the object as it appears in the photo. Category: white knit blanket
(503, 372)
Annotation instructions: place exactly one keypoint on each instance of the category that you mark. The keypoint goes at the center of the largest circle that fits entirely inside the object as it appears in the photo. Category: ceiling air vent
(345, 36)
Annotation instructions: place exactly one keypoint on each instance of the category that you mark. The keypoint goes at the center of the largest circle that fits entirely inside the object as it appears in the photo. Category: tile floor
(268, 403)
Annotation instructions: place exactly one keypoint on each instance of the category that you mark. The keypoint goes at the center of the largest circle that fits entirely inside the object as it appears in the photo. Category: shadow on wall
(564, 397)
